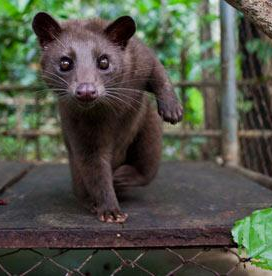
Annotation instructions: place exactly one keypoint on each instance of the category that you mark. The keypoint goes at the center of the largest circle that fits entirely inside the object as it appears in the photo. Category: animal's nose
(86, 92)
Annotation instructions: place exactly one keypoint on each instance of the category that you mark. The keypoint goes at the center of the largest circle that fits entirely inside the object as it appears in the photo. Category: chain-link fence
(168, 261)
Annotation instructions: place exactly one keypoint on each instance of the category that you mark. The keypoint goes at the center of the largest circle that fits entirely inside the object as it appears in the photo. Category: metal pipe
(228, 78)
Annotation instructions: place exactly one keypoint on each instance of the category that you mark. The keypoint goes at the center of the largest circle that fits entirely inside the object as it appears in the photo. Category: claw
(113, 217)
(171, 112)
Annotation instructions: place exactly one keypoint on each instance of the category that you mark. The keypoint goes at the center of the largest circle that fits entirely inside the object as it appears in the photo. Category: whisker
(112, 92)
(59, 41)
(111, 81)
(53, 74)
(122, 101)
(142, 69)
(138, 91)
(109, 105)
(129, 81)
(52, 79)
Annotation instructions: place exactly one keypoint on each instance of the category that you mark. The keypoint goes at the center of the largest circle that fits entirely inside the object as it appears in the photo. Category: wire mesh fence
(167, 261)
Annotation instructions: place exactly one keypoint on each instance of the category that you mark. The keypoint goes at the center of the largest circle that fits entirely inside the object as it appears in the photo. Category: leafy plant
(254, 235)
(194, 107)
(168, 27)
(261, 48)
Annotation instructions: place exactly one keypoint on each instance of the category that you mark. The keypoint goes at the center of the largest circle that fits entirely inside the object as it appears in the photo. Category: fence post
(228, 80)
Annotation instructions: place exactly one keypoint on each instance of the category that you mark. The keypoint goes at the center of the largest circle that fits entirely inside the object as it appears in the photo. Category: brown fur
(115, 142)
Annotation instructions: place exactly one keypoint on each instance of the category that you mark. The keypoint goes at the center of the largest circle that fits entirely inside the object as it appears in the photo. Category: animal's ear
(121, 30)
(46, 28)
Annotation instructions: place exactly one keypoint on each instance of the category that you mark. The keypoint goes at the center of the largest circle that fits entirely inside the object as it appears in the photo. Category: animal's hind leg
(143, 155)
(128, 175)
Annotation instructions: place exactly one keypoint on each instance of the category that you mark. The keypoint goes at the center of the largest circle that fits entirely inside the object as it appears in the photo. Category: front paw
(111, 215)
(170, 111)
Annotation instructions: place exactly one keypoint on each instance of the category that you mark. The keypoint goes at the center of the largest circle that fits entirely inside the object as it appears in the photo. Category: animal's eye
(66, 64)
(103, 62)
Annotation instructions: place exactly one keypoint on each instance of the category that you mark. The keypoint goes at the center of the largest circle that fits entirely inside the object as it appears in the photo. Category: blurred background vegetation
(169, 27)
(185, 34)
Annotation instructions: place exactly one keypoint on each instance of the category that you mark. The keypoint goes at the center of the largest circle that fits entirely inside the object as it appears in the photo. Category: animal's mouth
(86, 99)
(87, 104)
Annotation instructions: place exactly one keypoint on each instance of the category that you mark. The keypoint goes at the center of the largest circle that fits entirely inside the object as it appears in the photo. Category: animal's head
(80, 57)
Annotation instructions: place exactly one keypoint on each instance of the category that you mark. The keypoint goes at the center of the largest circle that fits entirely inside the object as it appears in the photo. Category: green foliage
(243, 105)
(194, 107)
(168, 27)
(11, 147)
(192, 148)
(261, 48)
(254, 235)
(162, 27)
(171, 149)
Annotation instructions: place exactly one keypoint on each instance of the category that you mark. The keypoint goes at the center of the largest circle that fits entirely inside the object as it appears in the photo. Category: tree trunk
(258, 12)
(211, 101)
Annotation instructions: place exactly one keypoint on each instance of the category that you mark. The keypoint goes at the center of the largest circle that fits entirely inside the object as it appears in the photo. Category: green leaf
(254, 235)
(261, 48)
(184, 2)
(7, 8)
(23, 4)
(194, 107)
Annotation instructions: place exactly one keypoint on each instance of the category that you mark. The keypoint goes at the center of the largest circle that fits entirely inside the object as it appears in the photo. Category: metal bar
(26, 101)
(262, 179)
(252, 133)
(31, 133)
(228, 78)
(217, 84)
(176, 134)
(19, 88)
